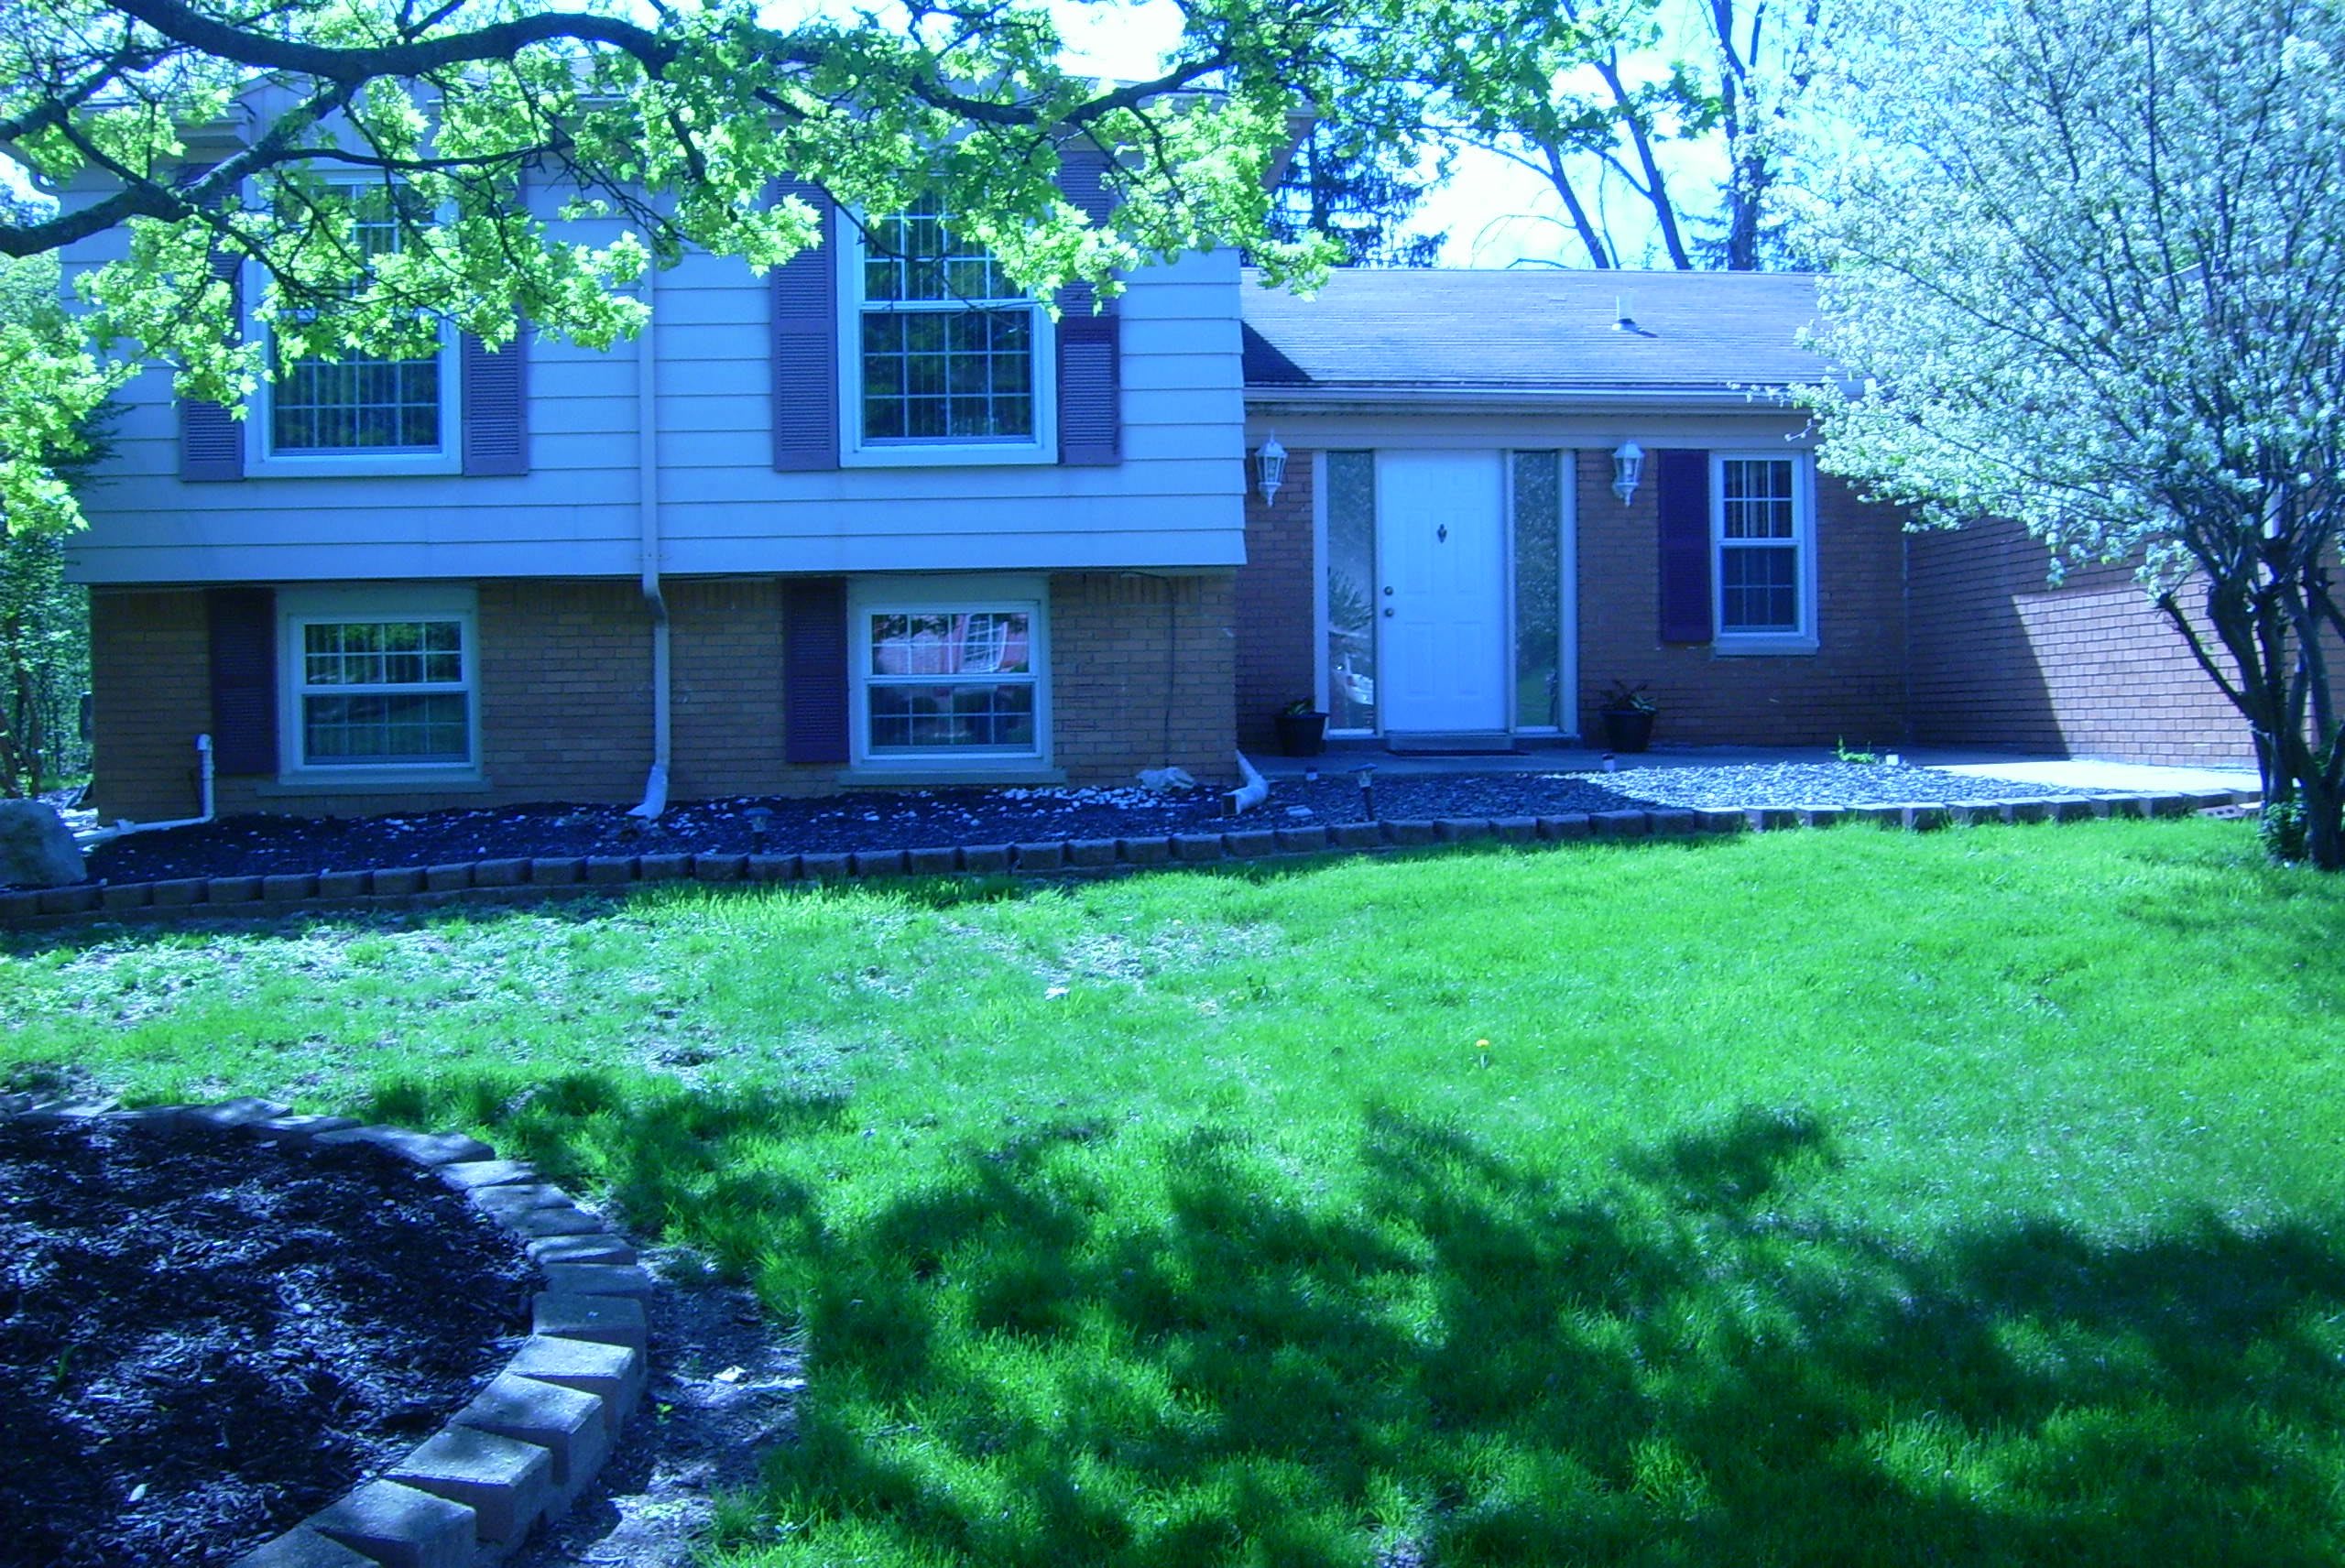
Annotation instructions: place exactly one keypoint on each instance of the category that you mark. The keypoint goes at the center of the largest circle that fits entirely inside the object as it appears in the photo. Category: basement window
(378, 683)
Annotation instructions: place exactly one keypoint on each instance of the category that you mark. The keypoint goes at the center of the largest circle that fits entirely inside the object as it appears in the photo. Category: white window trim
(1804, 639)
(854, 452)
(260, 461)
(300, 607)
(974, 594)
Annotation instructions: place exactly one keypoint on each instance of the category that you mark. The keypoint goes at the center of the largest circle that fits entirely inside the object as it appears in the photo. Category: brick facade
(1144, 671)
(1948, 639)
(1852, 688)
(2000, 658)
(1277, 605)
(564, 669)
(151, 696)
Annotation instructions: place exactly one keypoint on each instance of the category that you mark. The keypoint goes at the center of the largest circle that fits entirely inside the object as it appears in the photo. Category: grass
(1801, 1199)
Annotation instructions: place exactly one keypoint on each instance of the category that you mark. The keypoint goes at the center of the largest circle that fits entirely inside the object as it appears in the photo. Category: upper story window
(947, 362)
(327, 414)
(1762, 523)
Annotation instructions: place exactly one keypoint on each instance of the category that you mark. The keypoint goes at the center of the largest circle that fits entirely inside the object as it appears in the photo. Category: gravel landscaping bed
(202, 1342)
(915, 819)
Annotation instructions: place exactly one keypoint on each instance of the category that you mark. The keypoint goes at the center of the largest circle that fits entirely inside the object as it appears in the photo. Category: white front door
(1441, 602)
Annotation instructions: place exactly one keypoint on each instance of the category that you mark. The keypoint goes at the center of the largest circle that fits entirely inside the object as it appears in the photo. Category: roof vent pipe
(1622, 322)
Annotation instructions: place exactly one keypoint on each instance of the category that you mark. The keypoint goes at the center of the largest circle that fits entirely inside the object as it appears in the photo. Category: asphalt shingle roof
(1532, 329)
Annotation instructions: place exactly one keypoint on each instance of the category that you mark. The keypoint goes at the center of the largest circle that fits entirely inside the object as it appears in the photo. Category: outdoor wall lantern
(1628, 466)
(1270, 465)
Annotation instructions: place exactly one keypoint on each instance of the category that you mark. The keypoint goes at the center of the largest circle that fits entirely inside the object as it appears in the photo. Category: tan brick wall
(725, 654)
(1851, 689)
(1277, 605)
(565, 694)
(151, 683)
(1137, 685)
(2002, 659)
(565, 690)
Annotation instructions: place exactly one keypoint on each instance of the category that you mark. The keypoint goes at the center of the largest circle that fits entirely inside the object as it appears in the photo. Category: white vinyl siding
(1174, 501)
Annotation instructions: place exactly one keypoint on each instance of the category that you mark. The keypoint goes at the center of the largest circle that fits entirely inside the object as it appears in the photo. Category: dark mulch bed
(913, 819)
(203, 1340)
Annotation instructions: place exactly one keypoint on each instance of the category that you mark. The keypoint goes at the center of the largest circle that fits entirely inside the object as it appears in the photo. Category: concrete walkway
(2075, 773)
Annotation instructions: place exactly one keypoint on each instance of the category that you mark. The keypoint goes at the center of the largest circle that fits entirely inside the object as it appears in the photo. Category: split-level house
(847, 526)
(863, 521)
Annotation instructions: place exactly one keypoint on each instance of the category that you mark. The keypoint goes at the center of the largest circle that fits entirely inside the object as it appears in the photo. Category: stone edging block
(279, 893)
(530, 1442)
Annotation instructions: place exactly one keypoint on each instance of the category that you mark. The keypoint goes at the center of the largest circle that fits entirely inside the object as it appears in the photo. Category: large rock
(36, 849)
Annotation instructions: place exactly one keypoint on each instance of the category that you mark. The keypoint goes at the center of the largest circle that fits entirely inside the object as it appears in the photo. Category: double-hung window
(948, 361)
(956, 673)
(361, 412)
(1763, 521)
(381, 679)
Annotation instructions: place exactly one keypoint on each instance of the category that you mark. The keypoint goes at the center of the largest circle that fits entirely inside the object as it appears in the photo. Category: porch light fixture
(1628, 466)
(1270, 465)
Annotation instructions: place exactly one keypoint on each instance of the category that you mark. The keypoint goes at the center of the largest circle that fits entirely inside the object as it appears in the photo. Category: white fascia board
(1530, 399)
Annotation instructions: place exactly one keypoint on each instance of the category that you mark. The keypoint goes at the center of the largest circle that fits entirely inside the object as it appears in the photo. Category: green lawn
(1840, 1197)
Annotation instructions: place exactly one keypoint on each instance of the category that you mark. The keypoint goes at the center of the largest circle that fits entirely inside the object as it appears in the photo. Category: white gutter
(90, 837)
(646, 458)
(1418, 399)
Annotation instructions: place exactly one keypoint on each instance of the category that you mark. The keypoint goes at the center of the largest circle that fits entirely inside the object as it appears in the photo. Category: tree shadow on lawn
(1068, 1348)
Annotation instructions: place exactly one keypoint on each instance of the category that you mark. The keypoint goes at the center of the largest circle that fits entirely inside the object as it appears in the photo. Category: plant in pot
(1303, 729)
(1628, 714)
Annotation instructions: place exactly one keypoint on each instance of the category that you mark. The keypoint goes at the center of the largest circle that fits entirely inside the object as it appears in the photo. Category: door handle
(1388, 612)
(1388, 593)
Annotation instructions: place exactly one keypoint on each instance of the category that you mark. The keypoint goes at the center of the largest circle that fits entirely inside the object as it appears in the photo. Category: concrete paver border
(509, 880)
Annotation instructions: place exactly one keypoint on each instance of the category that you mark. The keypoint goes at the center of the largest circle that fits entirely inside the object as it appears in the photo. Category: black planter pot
(1627, 729)
(1301, 735)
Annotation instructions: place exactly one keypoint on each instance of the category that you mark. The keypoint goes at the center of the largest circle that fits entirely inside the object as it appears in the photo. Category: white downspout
(1252, 790)
(88, 837)
(647, 397)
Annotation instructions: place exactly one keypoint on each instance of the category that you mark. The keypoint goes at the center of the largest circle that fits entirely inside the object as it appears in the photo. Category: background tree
(1358, 188)
(1681, 107)
(2088, 273)
(44, 620)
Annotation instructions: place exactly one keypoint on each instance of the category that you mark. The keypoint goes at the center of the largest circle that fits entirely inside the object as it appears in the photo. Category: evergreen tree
(1357, 188)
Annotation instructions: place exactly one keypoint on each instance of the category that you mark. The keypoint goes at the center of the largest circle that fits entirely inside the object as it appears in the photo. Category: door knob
(1388, 593)
(1387, 611)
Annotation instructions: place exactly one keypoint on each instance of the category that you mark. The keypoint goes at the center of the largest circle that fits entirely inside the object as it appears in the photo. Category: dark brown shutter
(1091, 347)
(806, 346)
(495, 405)
(212, 439)
(244, 679)
(813, 668)
(1681, 491)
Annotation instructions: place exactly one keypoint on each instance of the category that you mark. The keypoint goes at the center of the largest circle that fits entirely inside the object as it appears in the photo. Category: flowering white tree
(2088, 273)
